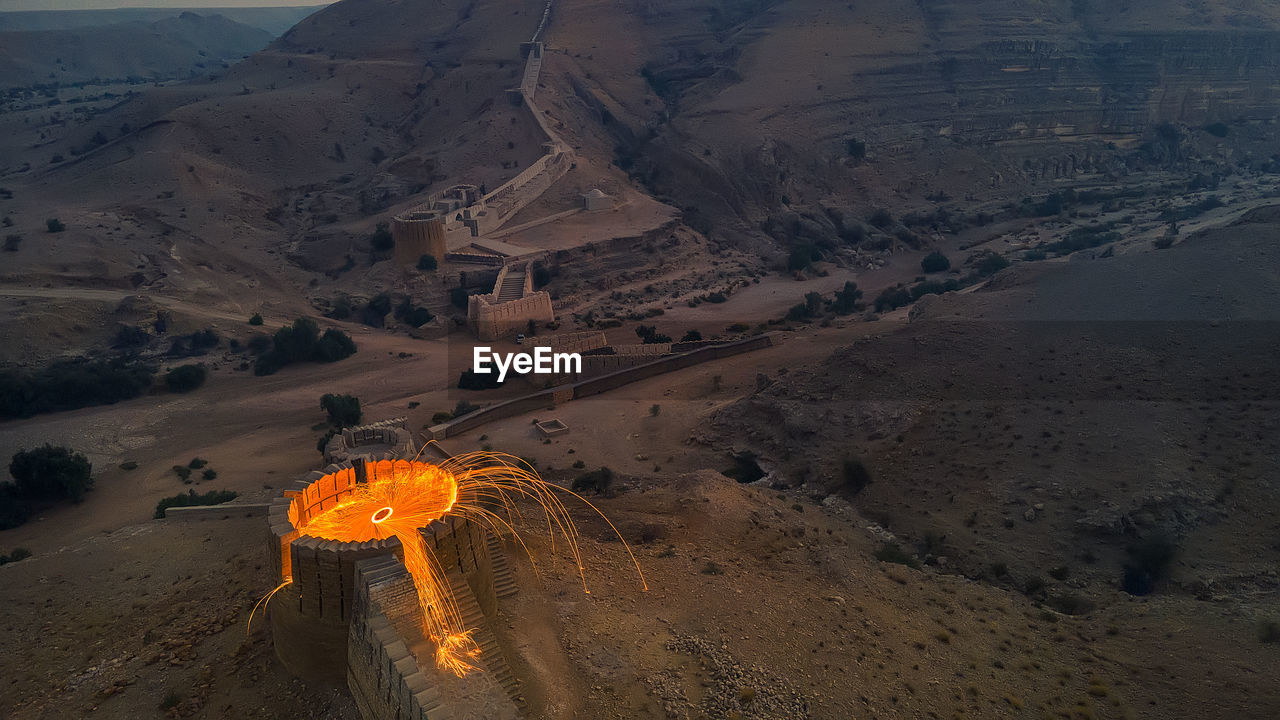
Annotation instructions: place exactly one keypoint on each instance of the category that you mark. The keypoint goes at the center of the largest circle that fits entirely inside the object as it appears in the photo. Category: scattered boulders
(730, 689)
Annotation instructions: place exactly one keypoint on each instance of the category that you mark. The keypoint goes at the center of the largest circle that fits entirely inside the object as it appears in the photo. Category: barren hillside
(170, 48)
(1008, 451)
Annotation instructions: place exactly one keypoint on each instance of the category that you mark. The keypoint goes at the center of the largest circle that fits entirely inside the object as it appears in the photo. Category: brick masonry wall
(390, 665)
(382, 675)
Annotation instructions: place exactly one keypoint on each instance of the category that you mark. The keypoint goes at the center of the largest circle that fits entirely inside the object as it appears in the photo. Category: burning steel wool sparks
(481, 487)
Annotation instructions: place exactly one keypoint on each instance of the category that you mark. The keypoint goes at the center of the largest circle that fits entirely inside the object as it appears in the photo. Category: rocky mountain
(274, 20)
(772, 123)
(175, 47)
(884, 102)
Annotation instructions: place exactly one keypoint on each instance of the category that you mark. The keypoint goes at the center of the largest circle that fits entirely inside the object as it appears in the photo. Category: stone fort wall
(594, 386)
(417, 233)
(342, 616)
(495, 321)
(575, 342)
(383, 676)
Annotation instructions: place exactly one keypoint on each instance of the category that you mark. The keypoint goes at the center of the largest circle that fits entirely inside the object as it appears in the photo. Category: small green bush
(1070, 604)
(51, 473)
(54, 225)
(990, 263)
(192, 499)
(847, 299)
(892, 298)
(745, 468)
(1218, 130)
(343, 410)
(324, 440)
(17, 554)
(381, 240)
(427, 263)
(1149, 559)
(255, 319)
(801, 258)
(209, 474)
(598, 481)
(185, 378)
(891, 553)
(855, 474)
(935, 262)
(301, 342)
(71, 384)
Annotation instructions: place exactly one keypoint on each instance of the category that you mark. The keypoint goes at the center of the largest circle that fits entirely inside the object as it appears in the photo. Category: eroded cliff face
(766, 99)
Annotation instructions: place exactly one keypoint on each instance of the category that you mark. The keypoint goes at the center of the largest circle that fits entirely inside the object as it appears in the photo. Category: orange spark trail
(481, 487)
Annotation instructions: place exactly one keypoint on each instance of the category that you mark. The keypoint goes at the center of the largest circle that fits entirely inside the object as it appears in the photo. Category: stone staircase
(504, 583)
(512, 287)
(491, 657)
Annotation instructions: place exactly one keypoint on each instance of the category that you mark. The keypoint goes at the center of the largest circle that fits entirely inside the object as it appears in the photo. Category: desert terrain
(1038, 480)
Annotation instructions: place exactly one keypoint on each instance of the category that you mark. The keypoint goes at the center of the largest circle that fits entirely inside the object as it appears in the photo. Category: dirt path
(111, 296)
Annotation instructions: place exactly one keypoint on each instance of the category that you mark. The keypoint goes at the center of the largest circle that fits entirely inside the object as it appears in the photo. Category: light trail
(481, 487)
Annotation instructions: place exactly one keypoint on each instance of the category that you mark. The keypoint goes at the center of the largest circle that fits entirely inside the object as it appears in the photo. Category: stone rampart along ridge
(596, 385)
(460, 213)
(579, 342)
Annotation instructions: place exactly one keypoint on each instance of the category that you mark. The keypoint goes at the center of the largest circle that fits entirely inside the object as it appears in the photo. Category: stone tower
(418, 233)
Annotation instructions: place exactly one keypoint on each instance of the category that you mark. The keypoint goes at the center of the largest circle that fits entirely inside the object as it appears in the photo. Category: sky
(13, 5)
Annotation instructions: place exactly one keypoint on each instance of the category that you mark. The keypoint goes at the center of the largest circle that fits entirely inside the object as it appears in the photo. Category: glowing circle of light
(401, 497)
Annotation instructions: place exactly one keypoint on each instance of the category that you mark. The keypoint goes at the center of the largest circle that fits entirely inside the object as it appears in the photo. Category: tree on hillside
(343, 410)
(935, 262)
(51, 473)
(302, 342)
(847, 299)
(185, 378)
